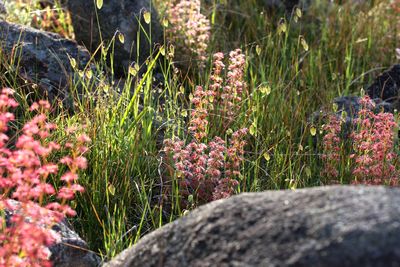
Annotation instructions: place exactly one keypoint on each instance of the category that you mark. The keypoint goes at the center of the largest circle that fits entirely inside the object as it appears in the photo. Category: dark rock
(351, 106)
(70, 251)
(328, 226)
(115, 15)
(2, 7)
(347, 109)
(43, 57)
(387, 86)
(348, 104)
(384, 92)
(280, 4)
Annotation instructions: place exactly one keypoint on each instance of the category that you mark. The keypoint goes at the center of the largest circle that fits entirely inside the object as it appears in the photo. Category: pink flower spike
(44, 104)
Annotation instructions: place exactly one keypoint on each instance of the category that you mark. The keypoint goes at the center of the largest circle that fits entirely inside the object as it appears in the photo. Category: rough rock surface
(350, 106)
(71, 251)
(115, 15)
(43, 57)
(387, 86)
(328, 226)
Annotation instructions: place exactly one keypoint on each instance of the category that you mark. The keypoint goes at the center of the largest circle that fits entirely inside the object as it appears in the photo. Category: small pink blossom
(83, 138)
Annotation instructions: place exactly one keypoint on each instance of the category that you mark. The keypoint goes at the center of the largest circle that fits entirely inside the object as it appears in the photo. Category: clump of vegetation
(371, 157)
(289, 65)
(188, 30)
(26, 173)
(208, 168)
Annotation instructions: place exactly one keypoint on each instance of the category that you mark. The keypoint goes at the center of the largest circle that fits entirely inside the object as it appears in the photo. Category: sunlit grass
(296, 63)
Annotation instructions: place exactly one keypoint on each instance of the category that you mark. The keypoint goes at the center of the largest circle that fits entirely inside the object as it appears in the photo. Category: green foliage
(296, 63)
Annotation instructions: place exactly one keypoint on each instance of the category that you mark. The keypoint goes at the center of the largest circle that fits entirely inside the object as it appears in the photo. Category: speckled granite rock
(328, 226)
(44, 58)
(72, 251)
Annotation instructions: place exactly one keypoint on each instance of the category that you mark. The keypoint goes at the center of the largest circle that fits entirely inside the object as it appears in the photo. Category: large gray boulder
(42, 58)
(116, 16)
(329, 226)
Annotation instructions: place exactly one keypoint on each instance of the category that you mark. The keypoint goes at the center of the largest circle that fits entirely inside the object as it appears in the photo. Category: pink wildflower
(222, 98)
(24, 174)
(216, 76)
(374, 147)
(231, 95)
(331, 143)
(373, 154)
(189, 30)
(198, 121)
(207, 171)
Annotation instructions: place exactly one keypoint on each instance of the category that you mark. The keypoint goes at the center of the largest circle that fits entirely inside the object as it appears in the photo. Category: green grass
(331, 50)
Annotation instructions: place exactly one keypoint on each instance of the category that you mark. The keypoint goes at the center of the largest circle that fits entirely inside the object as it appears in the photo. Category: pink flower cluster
(207, 171)
(372, 154)
(24, 187)
(202, 104)
(331, 143)
(223, 96)
(210, 170)
(188, 29)
(235, 86)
